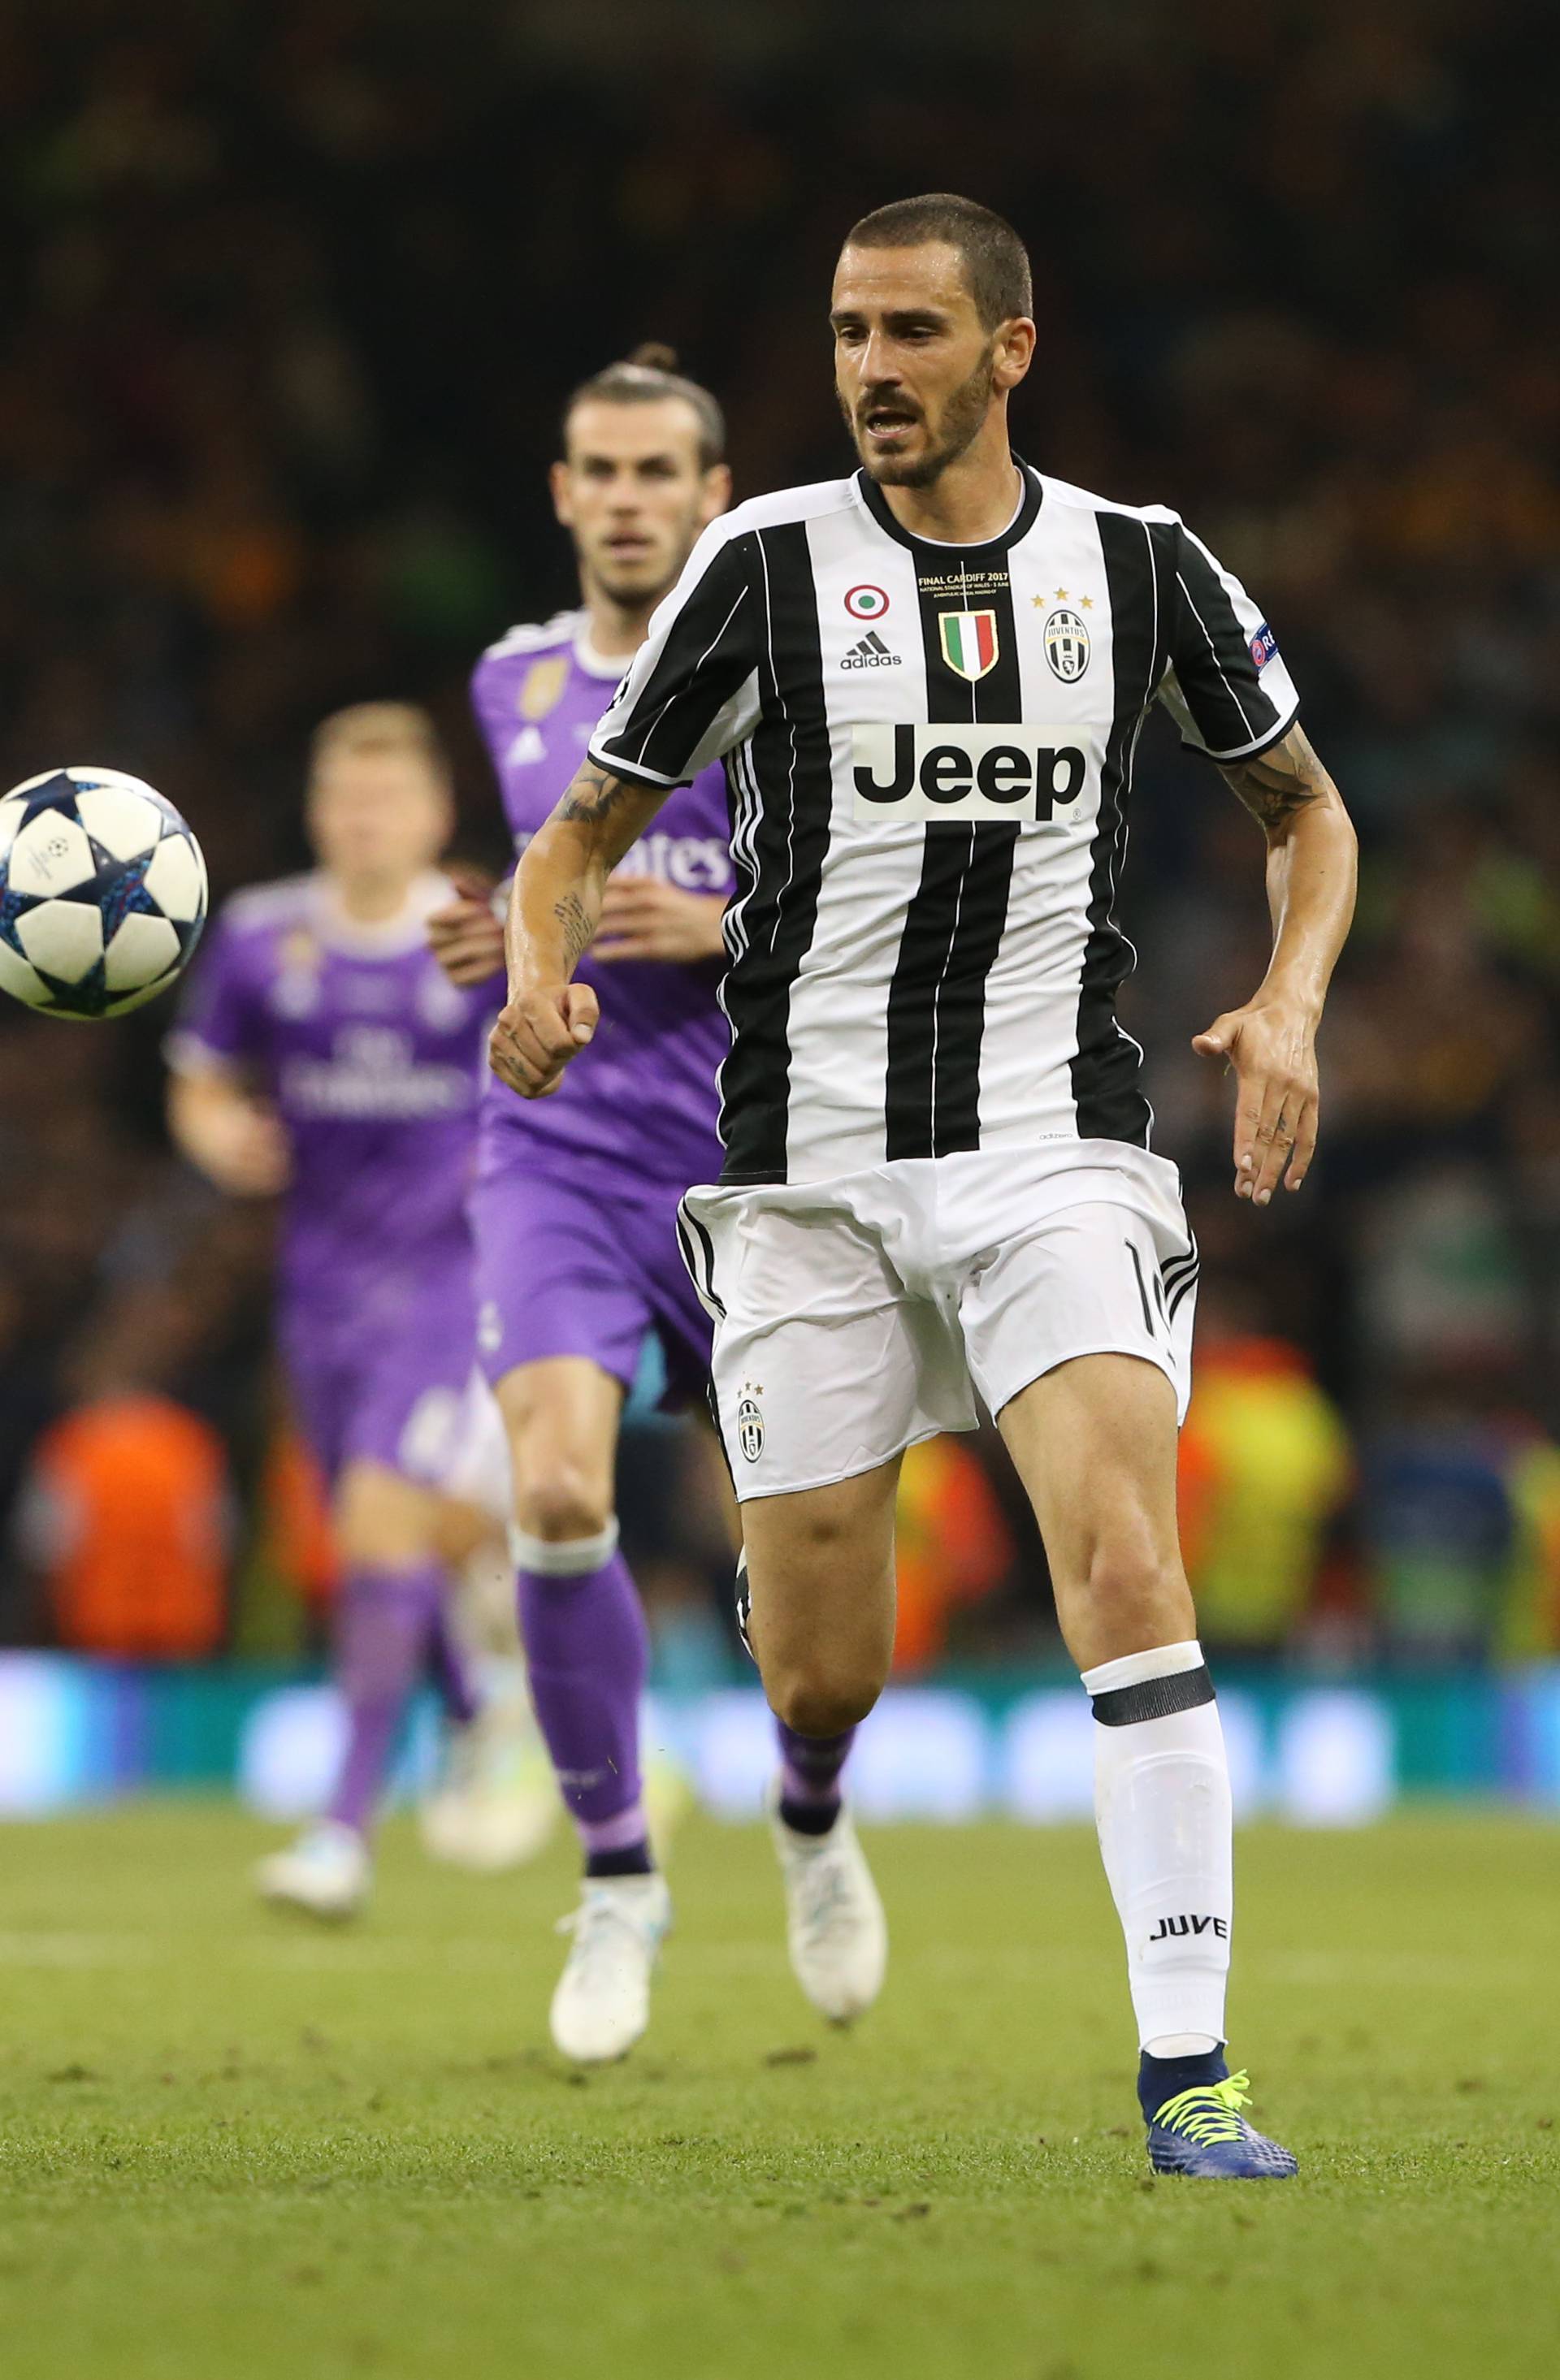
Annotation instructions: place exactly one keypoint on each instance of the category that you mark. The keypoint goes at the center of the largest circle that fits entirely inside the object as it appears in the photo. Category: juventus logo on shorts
(749, 1426)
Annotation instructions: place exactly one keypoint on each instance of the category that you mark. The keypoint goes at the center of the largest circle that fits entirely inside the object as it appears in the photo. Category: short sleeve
(691, 695)
(221, 1017)
(1226, 688)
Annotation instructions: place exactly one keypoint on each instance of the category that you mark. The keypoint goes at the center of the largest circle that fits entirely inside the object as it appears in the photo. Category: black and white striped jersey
(929, 750)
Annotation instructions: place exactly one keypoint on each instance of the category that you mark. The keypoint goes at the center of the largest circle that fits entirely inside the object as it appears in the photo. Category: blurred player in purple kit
(323, 1054)
(575, 1208)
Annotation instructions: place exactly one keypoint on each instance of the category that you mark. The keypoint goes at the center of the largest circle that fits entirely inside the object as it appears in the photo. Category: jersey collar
(393, 938)
(1023, 520)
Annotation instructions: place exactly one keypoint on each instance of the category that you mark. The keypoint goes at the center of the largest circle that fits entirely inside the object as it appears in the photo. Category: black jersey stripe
(1212, 655)
(788, 765)
(710, 649)
(955, 921)
(983, 908)
(1107, 1069)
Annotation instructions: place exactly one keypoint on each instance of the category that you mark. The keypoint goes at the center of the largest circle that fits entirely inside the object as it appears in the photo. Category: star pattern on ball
(55, 793)
(12, 906)
(145, 900)
(118, 889)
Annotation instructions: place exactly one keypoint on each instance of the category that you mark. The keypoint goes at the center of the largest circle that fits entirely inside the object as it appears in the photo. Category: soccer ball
(103, 892)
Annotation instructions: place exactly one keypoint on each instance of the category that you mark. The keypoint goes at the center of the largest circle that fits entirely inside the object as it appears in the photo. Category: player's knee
(1134, 1583)
(382, 1522)
(562, 1503)
(821, 1698)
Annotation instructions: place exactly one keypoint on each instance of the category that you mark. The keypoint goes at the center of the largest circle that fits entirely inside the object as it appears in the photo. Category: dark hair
(996, 262)
(645, 377)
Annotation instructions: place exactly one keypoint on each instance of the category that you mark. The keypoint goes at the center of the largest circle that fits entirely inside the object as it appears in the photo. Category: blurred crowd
(291, 295)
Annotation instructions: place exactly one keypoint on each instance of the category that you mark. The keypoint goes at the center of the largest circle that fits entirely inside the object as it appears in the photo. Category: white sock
(1162, 1806)
(562, 1556)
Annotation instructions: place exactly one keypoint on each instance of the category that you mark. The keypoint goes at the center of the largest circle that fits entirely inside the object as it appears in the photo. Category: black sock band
(1155, 1698)
(633, 1861)
(809, 1817)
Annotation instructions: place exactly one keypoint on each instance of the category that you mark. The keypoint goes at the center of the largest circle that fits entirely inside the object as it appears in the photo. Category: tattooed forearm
(570, 915)
(1279, 783)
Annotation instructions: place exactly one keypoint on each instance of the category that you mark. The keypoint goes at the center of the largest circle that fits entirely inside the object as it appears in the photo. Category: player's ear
(716, 495)
(562, 486)
(1015, 347)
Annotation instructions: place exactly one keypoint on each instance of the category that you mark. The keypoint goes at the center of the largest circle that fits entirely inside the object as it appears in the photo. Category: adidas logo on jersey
(871, 654)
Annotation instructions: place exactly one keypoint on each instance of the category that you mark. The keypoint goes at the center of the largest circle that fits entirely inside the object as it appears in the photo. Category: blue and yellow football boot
(1201, 2131)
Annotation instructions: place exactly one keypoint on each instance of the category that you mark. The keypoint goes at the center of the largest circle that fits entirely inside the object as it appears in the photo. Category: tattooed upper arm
(614, 810)
(1278, 784)
(593, 796)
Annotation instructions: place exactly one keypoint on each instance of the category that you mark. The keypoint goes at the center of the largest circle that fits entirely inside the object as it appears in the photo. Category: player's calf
(821, 1599)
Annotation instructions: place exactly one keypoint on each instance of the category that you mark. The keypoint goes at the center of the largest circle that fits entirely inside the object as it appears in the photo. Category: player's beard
(641, 586)
(963, 418)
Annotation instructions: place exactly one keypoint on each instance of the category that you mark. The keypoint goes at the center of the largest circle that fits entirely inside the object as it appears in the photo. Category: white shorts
(475, 1469)
(854, 1316)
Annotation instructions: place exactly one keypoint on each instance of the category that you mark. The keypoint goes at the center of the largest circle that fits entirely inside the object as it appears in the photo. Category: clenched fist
(537, 1035)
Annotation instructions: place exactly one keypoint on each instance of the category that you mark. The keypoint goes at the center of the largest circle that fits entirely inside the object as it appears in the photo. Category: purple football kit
(575, 1210)
(373, 1061)
(575, 1195)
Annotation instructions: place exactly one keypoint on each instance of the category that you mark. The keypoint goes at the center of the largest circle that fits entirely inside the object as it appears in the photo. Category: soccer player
(575, 1208)
(322, 1053)
(927, 683)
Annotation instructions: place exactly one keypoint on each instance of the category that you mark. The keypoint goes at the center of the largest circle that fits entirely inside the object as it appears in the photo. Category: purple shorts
(584, 1268)
(393, 1384)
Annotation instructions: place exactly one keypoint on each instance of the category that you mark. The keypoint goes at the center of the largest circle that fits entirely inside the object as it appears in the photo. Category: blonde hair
(381, 727)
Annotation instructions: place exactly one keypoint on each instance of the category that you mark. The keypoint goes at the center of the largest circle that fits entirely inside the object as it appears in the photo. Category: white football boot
(496, 1804)
(602, 2004)
(327, 1872)
(835, 1928)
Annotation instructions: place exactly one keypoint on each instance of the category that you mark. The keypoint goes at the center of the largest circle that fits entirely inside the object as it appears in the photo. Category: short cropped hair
(646, 377)
(381, 727)
(996, 262)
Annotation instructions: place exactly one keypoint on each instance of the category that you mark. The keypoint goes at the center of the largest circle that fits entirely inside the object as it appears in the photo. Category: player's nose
(880, 367)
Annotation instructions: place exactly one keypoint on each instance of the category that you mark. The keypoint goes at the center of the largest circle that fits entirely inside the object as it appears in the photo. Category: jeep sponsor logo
(1019, 774)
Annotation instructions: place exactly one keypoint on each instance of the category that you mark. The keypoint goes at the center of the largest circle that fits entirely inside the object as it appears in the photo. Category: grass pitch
(232, 2148)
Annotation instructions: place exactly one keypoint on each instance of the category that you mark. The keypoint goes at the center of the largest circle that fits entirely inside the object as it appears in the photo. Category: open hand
(247, 1151)
(643, 918)
(537, 1033)
(465, 936)
(1273, 1049)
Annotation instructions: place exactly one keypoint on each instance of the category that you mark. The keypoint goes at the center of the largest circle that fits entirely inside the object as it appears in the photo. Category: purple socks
(386, 1621)
(446, 1663)
(810, 1772)
(588, 1652)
